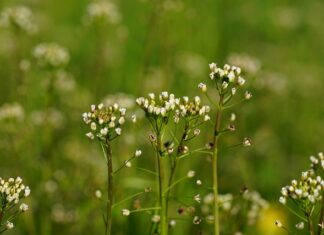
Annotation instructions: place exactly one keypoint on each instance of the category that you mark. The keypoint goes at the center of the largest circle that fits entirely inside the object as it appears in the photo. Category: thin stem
(295, 213)
(214, 166)
(174, 184)
(162, 196)
(127, 199)
(146, 209)
(310, 224)
(147, 171)
(124, 165)
(110, 189)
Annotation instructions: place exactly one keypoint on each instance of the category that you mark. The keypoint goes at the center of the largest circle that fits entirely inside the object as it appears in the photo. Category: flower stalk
(215, 165)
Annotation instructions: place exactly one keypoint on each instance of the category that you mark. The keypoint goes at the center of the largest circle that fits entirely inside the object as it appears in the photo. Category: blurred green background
(159, 45)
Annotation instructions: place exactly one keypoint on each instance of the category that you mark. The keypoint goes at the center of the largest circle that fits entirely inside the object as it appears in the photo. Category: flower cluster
(11, 191)
(105, 121)
(11, 112)
(51, 55)
(164, 104)
(102, 10)
(251, 212)
(226, 76)
(250, 64)
(309, 189)
(191, 108)
(19, 17)
(161, 105)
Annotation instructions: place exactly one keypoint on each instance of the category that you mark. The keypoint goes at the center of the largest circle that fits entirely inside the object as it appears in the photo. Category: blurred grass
(149, 51)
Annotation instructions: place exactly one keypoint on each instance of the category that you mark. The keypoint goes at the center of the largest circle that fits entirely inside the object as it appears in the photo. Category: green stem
(162, 196)
(310, 225)
(110, 190)
(146, 209)
(214, 166)
(128, 198)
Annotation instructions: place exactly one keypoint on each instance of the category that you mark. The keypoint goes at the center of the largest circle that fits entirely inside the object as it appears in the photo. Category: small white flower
(98, 193)
(196, 220)
(138, 153)
(93, 126)
(197, 198)
(247, 142)
(199, 182)
(23, 207)
(172, 223)
(128, 164)
(300, 226)
(118, 131)
(104, 131)
(212, 66)
(224, 85)
(191, 174)
(125, 212)
(156, 218)
(282, 200)
(233, 91)
(9, 225)
(248, 95)
(90, 135)
(121, 120)
(100, 106)
(134, 119)
(233, 117)
(240, 81)
(206, 118)
(278, 223)
(202, 87)
(27, 191)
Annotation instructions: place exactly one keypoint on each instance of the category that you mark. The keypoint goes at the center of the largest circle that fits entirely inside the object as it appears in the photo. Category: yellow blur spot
(266, 225)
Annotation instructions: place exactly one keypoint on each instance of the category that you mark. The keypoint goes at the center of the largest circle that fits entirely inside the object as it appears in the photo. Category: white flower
(240, 81)
(98, 193)
(191, 174)
(118, 131)
(156, 218)
(233, 117)
(23, 207)
(100, 106)
(248, 95)
(278, 223)
(199, 182)
(138, 153)
(27, 191)
(125, 212)
(282, 200)
(128, 164)
(134, 119)
(196, 220)
(197, 198)
(90, 135)
(206, 118)
(247, 142)
(9, 225)
(93, 126)
(172, 223)
(233, 91)
(202, 86)
(300, 226)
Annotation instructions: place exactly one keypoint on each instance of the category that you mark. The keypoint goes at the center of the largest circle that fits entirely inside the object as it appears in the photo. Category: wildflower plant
(19, 18)
(227, 82)
(305, 197)
(105, 124)
(162, 111)
(12, 191)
